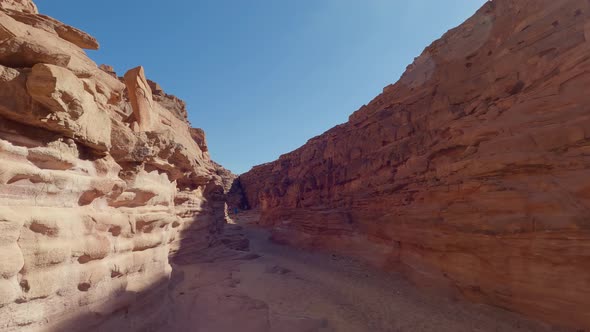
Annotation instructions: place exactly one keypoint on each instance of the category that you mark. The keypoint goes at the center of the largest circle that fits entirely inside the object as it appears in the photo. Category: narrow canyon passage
(281, 288)
(471, 174)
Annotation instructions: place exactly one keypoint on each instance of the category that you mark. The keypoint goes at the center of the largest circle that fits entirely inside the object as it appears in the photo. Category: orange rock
(471, 173)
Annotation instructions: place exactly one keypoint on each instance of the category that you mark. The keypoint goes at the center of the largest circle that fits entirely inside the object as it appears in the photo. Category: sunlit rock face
(100, 182)
(26, 6)
(471, 173)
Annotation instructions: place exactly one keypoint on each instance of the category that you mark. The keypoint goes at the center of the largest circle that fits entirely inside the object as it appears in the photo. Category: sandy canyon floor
(283, 289)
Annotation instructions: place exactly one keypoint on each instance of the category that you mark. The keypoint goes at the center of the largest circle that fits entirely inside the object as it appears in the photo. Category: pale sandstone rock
(10, 255)
(198, 135)
(141, 98)
(471, 173)
(24, 46)
(109, 70)
(63, 93)
(90, 210)
(75, 36)
(170, 102)
(76, 118)
(59, 90)
(66, 32)
(26, 6)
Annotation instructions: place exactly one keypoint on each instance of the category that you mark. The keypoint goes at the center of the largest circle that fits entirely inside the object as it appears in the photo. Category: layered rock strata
(100, 182)
(471, 173)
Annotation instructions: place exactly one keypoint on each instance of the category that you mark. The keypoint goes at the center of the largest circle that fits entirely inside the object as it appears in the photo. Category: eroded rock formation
(99, 183)
(140, 95)
(471, 173)
(26, 6)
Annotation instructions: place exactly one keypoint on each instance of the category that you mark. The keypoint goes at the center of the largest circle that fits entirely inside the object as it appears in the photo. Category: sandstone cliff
(101, 180)
(471, 173)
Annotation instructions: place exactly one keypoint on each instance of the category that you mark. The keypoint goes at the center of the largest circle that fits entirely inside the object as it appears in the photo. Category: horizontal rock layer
(471, 173)
(99, 184)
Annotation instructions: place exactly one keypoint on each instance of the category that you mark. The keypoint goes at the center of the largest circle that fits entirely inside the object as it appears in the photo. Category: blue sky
(264, 76)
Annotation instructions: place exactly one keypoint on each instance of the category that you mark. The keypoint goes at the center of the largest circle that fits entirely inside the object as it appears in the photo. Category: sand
(284, 289)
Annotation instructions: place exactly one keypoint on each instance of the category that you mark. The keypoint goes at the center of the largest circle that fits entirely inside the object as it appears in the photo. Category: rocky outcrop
(141, 98)
(25, 6)
(100, 183)
(171, 102)
(198, 135)
(108, 69)
(471, 173)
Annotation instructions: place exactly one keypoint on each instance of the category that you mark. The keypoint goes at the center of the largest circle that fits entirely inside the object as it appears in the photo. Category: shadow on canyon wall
(153, 308)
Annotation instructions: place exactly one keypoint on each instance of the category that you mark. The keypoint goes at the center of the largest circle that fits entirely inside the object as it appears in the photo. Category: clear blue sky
(263, 76)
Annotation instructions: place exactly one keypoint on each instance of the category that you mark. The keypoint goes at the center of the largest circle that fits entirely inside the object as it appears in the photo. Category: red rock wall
(471, 173)
(96, 191)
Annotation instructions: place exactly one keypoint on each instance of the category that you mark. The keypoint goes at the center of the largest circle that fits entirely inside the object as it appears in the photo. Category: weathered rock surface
(141, 98)
(108, 69)
(25, 6)
(53, 26)
(170, 102)
(99, 184)
(471, 173)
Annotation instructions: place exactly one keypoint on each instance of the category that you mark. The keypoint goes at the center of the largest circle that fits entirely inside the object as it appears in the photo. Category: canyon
(102, 181)
(456, 200)
(470, 175)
